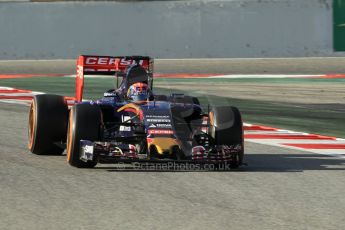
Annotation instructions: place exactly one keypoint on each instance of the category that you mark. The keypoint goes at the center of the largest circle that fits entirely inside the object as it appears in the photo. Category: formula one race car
(131, 123)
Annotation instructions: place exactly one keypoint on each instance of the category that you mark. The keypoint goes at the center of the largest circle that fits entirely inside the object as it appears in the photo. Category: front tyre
(85, 122)
(226, 128)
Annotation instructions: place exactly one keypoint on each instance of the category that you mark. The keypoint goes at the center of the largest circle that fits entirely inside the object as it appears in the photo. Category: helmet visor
(142, 96)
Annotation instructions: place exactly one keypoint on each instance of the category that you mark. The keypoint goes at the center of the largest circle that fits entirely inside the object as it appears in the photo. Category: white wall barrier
(167, 29)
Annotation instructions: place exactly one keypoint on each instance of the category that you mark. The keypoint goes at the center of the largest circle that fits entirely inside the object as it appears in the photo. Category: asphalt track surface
(279, 189)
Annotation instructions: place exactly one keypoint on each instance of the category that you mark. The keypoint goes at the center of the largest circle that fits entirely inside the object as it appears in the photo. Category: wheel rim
(69, 137)
(212, 129)
(32, 124)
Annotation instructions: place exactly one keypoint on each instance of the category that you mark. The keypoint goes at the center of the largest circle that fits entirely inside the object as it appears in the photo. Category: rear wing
(106, 65)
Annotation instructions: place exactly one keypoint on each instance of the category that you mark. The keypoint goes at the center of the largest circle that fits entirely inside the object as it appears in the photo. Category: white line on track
(339, 153)
(302, 141)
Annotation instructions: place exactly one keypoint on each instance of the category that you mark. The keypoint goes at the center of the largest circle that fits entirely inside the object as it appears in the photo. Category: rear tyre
(47, 124)
(226, 128)
(85, 122)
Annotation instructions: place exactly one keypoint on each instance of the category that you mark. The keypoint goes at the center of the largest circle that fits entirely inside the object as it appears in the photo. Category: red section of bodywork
(109, 64)
(149, 141)
(160, 131)
(79, 79)
(104, 65)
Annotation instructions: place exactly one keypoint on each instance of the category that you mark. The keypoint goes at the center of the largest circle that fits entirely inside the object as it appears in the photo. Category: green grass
(289, 116)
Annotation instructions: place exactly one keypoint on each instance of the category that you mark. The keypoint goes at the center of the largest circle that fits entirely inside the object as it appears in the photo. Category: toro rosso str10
(131, 123)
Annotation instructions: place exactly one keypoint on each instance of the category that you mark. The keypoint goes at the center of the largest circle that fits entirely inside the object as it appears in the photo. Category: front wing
(115, 152)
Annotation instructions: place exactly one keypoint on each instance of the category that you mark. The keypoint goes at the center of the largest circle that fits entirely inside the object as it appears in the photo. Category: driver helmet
(138, 92)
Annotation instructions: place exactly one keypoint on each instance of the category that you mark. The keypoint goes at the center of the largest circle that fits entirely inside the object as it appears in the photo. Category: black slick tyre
(47, 124)
(226, 128)
(85, 122)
